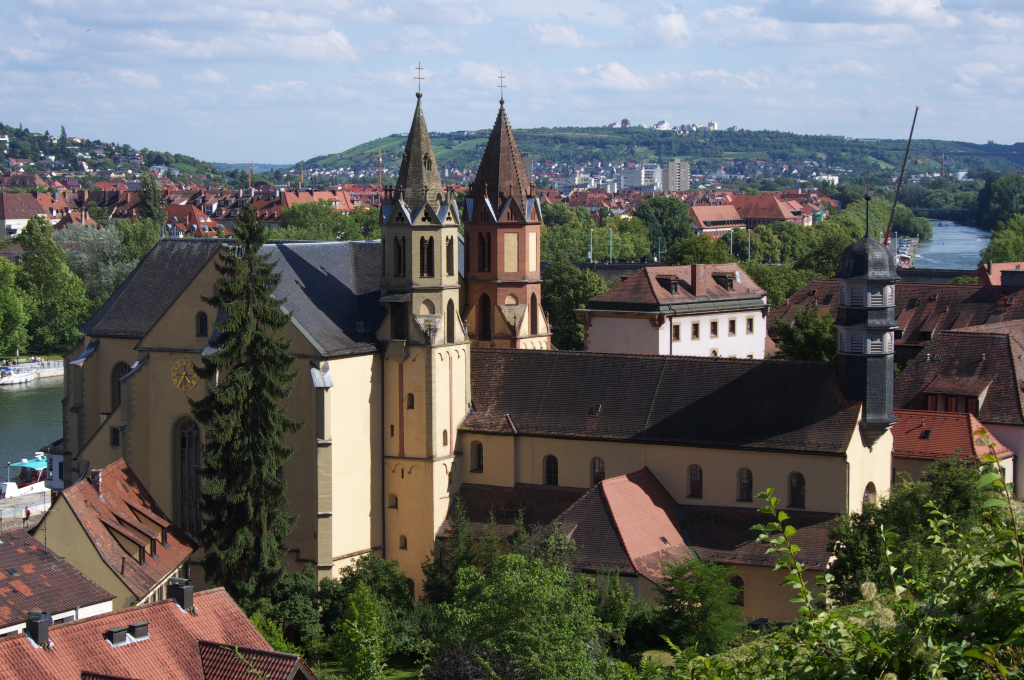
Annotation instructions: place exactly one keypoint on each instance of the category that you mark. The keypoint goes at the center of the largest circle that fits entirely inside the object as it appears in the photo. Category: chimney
(95, 477)
(180, 590)
(697, 279)
(38, 627)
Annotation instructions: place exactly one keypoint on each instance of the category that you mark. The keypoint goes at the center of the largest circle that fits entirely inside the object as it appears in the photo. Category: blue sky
(276, 82)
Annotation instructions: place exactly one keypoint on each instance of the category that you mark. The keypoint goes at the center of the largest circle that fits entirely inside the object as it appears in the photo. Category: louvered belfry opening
(426, 257)
(483, 331)
(484, 252)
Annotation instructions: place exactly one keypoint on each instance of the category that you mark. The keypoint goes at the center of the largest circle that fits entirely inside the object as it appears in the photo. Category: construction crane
(380, 161)
(239, 165)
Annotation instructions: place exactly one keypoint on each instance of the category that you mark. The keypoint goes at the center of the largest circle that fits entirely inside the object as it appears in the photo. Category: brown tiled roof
(89, 675)
(501, 168)
(937, 435)
(765, 207)
(590, 525)
(645, 287)
(687, 401)
(723, 535)
(970, 357)
(170, 652)
(540, 504)
(920, 307)
(222, 662)
(704, 215)
(32, 577)
(125, 507)
(18, 206)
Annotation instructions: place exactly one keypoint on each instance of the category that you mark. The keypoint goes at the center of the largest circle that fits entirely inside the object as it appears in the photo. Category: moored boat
(30, 476)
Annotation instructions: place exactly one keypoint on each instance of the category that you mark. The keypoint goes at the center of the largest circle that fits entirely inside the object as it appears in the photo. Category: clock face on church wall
(183, 375)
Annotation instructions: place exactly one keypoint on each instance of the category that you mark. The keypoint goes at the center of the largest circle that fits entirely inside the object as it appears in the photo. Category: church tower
(503, 221)
(866, 323)
(426, 365)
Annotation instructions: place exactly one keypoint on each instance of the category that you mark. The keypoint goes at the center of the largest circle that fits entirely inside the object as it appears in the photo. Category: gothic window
(483, 331)
(426, 257)
(737, 583)
(551, 471)
(450, 256)
(115, 384)
(201, 325)
(744, 486)
(427, 165)
(696, 482)
(533, 314)
(596, 471)
(444, 438)
(399, 252)
(399, 328)
(484, 252)
(797, 488)
(449, 326)
(190, 447)
(870, 496)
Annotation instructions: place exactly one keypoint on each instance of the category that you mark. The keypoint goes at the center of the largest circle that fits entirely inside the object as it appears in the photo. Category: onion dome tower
(866, 323)
(503, 222)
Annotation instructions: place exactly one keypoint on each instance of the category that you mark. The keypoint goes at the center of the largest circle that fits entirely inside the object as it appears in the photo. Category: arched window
(426, 257)
(596, 471)
(476, 457)
(551, 471)
(449, 325)
(449, 258)
(696, 482)
(426, 307)
(533, 314)
(403, 543)
(444, 438)
(399, 252)
(797, 489)
(511, 300)
(483, 331)
(190, 449)
(393, 499)
(484, 252)
(744, 486)
(870, 496)
(737, 583)
(399, 322)
(410, 401)
(115, 384)
(201, 326)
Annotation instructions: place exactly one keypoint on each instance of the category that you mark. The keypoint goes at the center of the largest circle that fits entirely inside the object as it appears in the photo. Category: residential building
(192, 636)
(641, 176)
(35, 578)
(764, 209)
(675, 176)
(12, 252)
(716, 220)
(712, 310)
(921, 438)
(15, 212)
(110, 528)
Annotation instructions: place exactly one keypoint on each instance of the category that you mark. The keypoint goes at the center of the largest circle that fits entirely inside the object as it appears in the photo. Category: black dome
(867, 259)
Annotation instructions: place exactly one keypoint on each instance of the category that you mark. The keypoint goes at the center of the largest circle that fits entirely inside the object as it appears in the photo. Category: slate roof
(992, 354)
(921, 308)
(330, 286)
(867, 259)
(685, 401)
(540, 505)
(171, 651)
(723, 535)
(938, 435)
(221, 662)
(18, 206)
(32, 577)
(124, 507)
(501, 168)
(418, 181)
(644, 289)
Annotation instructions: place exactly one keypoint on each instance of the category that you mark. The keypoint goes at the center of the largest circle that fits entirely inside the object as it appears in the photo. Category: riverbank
(30, 418)
(952, 246)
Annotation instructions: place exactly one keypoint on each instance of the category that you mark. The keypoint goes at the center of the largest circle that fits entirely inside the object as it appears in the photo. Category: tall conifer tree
(243, 496)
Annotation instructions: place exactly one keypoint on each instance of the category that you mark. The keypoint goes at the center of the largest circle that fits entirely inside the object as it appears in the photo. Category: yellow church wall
(870, 462)
(98, 451)
(66, 537)
(176, 328)
(500, 460)
(764, 595)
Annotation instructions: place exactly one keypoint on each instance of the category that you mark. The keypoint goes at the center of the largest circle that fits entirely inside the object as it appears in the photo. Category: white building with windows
(641, 176)
(712, 310)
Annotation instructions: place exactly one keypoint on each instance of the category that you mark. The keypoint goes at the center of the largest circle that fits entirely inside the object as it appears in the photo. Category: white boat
(30, 477)
(27, 372)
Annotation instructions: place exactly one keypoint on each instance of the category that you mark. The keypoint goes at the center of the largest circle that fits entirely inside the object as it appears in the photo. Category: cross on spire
(501, 85)
(419, 77)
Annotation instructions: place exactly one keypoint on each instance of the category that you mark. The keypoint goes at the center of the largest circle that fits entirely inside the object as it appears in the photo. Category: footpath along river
(30, 413)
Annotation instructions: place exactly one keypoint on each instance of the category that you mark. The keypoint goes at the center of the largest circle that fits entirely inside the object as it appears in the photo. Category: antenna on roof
(419, 77)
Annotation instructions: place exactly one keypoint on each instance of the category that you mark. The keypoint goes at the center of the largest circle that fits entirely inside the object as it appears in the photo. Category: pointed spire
(502, 172)
(419, 181)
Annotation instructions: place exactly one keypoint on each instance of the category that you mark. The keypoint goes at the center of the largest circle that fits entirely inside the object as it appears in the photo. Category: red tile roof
(646, 288)
(222, 662)
(937, 435)
(32, 577)
(124, 507)
(18, 206)
(763, 208)
(170, 652)
(716, 217)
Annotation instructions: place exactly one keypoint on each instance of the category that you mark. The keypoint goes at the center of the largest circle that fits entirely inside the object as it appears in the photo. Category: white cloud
(145, 81)
(557, 36)
(611, 76)
(208, 75)
(278, 88)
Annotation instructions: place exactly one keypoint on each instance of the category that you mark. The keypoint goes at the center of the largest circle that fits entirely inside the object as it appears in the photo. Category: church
(426, 372)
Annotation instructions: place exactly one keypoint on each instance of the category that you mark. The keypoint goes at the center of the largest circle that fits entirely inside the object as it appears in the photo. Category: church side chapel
(426, 373)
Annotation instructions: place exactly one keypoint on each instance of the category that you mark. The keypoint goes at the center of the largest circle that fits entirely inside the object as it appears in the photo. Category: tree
(779, 281)
(99, 215)
(1000, 198)
(1007, 244)
(364, 643)
(151, 205)
(57, 298)
(697, 605)
(964, 280)
(629, 239)
(564, 289)
(451, 552)
(701, 249)
(317, 221)
(751, 191)
(248, 375)
(14, 316)
(824, 257)
(389, 586)
(565, 235)
(97, 257)
(667, 218)
(138, 237)
(811, 337)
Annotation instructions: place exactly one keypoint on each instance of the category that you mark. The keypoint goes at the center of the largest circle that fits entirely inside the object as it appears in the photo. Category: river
(953, 246)
(29, 418)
